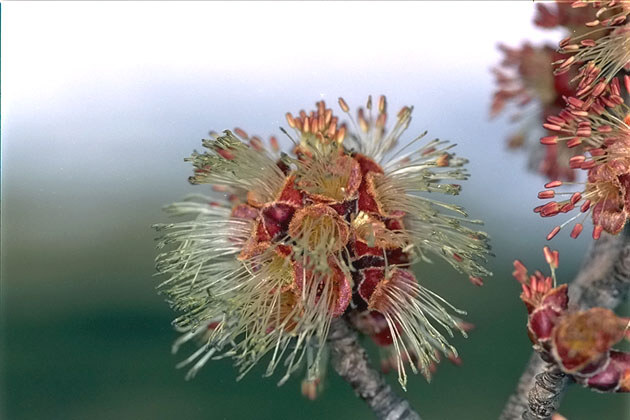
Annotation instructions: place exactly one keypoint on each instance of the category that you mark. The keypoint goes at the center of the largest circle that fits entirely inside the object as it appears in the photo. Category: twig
(544, 397)
(350, 362)
(517, 403)
(604, 281)
(604, 278)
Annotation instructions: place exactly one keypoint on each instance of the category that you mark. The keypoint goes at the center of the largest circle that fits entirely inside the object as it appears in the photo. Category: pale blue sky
(102, 101)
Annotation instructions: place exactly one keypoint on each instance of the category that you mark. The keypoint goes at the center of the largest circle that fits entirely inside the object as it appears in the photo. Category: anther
(549, 140)
(553, 233)
(577, 229)
(290, 120)
(576, 161)
(553, 184)
(343, 105)
(599, 88)
(241, 133)
(382, 104)
(575, 141)
(552, 127)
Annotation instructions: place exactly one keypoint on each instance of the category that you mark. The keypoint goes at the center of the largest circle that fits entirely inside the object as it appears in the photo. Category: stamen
(553, 233)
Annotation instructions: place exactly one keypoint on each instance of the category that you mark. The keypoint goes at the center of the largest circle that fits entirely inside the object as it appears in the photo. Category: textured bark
(350, 361)
(604, 278)
(518, 403)
(604, 281)
(544, 397)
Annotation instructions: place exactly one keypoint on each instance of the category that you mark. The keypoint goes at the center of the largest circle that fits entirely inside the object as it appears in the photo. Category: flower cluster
(578, 342)
(596, 122)
(604, 133)
(600, 53)
(591, 125)
(330, 230)
(526, 78)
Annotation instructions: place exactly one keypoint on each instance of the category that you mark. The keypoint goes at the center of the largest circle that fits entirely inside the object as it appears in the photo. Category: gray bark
(350, 361)
(544, 397)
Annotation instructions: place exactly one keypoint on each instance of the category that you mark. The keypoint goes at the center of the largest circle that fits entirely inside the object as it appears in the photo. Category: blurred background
(102, 101)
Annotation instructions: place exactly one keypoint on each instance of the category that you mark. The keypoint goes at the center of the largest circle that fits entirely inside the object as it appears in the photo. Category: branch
(350, 361)
(604, 278)
(518, 403)
(604, 281)
(544, 397)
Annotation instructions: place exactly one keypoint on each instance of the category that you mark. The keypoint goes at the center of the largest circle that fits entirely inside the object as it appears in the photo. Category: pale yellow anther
(344, 106)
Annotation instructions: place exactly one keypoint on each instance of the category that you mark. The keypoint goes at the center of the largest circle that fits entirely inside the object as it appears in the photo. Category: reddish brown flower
(526, 79)
(601, 126)
(600, 55)
(303, 237)
(579, 342)
(584, 67)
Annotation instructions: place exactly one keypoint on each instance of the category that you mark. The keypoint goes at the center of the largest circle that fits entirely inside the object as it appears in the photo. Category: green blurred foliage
(85, 336)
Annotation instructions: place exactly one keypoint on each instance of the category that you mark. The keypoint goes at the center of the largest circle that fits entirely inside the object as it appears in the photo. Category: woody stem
(350, 361)
(544, 397)
(603, 281)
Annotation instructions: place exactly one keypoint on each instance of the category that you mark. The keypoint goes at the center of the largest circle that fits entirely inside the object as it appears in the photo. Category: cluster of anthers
(537, 94)
(601, 52)
(579, 342)
(604, 133)
(597, 121)
(526, 78)
(331, 230)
